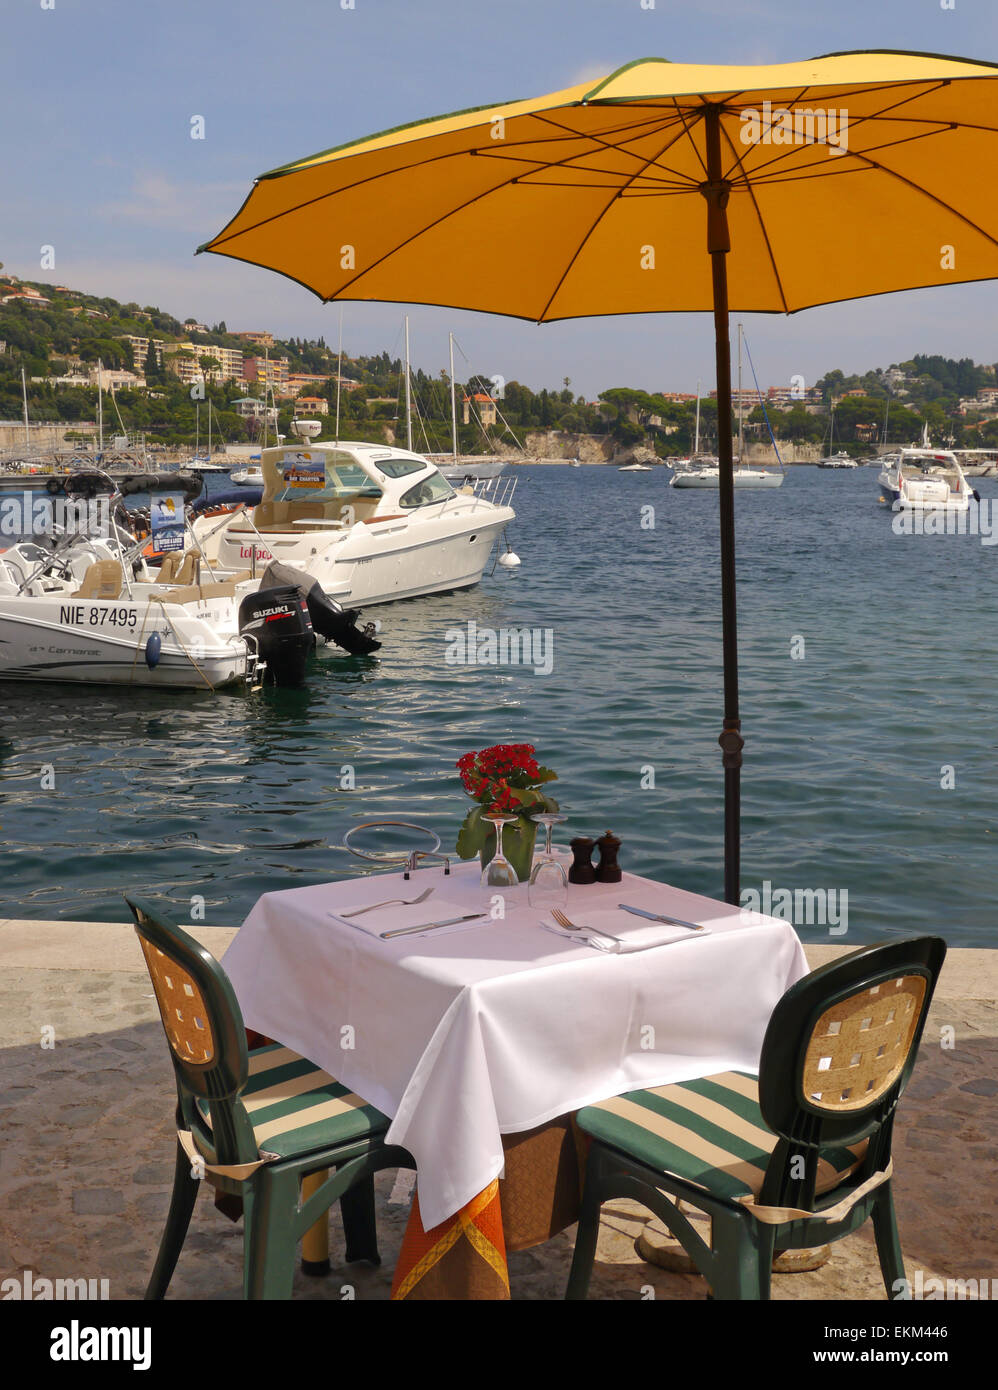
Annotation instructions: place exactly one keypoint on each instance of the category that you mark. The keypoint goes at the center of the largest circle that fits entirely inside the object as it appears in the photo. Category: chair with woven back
(256, 1123)
(799, 1157)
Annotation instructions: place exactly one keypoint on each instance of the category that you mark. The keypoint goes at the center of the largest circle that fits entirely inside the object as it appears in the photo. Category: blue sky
(97, 161)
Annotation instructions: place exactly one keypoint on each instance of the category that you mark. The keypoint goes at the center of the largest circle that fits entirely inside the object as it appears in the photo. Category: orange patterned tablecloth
(465, 1256)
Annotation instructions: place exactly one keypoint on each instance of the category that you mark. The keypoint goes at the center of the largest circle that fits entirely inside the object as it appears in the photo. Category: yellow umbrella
(843, 176)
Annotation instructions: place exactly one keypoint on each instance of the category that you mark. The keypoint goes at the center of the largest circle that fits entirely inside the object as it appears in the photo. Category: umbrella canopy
(836, 178)
(540, 209)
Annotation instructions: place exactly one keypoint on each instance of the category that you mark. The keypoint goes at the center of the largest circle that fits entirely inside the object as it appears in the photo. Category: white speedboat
(370, 523)
(82, 615)
(248, 477)
(635, 468)
(925, 480)
(839, 460)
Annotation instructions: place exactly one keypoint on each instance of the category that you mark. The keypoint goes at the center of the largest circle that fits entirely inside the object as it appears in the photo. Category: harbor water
(868, 663)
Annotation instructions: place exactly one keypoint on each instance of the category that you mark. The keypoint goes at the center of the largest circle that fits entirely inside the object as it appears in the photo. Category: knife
(431, 926)
(659, 917)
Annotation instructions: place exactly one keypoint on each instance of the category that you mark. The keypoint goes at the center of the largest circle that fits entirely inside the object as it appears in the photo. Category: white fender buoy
(510, 560)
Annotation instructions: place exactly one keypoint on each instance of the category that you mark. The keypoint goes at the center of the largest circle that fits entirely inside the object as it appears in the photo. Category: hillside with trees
(74, 331)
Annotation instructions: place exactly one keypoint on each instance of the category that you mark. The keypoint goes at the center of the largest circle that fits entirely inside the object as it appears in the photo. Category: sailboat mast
(339, 376)
(100, 405)
(24, 393)
(696, 440)
(408, 394)
(266, 386)
(453, 401)
(209, 429)
(741, 425)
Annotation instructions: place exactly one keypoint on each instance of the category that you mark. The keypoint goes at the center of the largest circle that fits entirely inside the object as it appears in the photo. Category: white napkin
(633, 938)
(434, 909)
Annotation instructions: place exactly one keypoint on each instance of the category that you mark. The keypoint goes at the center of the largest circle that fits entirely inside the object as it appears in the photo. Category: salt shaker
(582, 870)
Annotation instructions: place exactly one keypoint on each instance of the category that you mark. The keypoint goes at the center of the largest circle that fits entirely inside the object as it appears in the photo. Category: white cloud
(156, 199)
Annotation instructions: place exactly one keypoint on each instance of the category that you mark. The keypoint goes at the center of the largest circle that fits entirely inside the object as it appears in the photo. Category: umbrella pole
(716, 191)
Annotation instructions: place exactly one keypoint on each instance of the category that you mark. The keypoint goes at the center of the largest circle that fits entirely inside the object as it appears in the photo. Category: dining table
(480, 1025)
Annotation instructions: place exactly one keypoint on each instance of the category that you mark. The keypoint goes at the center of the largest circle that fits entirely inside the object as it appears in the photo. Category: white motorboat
(635, 468)
(925, 480)
(370, 523)
(248, 477)
(80, 615)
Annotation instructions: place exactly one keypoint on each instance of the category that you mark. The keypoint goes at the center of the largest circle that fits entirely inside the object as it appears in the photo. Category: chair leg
(269, 1243)
(742, 1261)
(587, 1234)
(182, 1199)
(885, 1230)
(359, 1225)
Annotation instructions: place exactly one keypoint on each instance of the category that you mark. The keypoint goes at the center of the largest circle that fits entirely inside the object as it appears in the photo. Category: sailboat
(841, 459)
(708, 475)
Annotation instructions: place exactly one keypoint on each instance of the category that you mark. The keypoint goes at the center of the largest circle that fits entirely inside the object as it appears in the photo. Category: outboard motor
(276, 622)
(336, 624)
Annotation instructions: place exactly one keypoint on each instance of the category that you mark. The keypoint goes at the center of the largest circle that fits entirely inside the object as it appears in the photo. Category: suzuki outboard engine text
(276, 621)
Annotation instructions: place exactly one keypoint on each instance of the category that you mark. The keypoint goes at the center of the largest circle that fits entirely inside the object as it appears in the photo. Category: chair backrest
(837, 1054)
(205, 1031)
(168, 569)
(190, 570)
(103, 579)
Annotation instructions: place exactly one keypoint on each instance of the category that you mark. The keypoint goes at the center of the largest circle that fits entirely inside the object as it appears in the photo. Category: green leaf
(546, 775)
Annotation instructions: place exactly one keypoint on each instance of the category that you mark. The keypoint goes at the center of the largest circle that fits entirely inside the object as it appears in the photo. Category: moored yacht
(370, 523)
(925, 480)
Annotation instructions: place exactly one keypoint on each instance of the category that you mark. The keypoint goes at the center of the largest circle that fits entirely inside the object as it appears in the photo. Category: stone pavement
(86, 1156)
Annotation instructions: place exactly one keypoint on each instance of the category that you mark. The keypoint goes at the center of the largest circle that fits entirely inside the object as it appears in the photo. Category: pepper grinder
(582, 870)
(608, 870)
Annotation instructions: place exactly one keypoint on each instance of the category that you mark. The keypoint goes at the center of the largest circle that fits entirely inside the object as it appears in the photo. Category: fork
(392, 902)
(563, 921)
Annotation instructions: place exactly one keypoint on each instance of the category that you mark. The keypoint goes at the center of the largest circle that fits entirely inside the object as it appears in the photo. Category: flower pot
(517, 845)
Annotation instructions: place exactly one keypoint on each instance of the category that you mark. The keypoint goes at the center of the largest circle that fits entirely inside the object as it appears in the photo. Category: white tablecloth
(471, 1034)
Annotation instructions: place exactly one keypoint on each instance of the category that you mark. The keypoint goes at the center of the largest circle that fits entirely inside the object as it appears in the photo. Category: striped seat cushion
(709, 1132)
(294, 1107)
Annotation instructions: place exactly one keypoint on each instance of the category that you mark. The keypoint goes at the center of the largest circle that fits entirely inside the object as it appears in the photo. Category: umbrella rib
(792, 175)
(578, 250)
(762, 225)
(598, 137)
(686, 130)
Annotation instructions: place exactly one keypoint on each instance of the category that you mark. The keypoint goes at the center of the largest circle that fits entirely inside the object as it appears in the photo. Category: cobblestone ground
(86, 1163)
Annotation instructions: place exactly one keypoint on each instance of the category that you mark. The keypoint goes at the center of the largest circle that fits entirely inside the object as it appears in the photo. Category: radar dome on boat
(307, 429)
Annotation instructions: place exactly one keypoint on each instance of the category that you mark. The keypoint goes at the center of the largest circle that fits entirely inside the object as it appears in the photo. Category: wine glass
(499, 872)
(548, 885)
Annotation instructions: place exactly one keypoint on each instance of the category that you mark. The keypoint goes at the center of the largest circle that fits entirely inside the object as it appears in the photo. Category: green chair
(798, 1158)
(255, 1123)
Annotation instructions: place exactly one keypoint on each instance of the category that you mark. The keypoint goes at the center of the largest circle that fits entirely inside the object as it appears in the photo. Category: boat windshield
(433, 488)
(344, 477)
